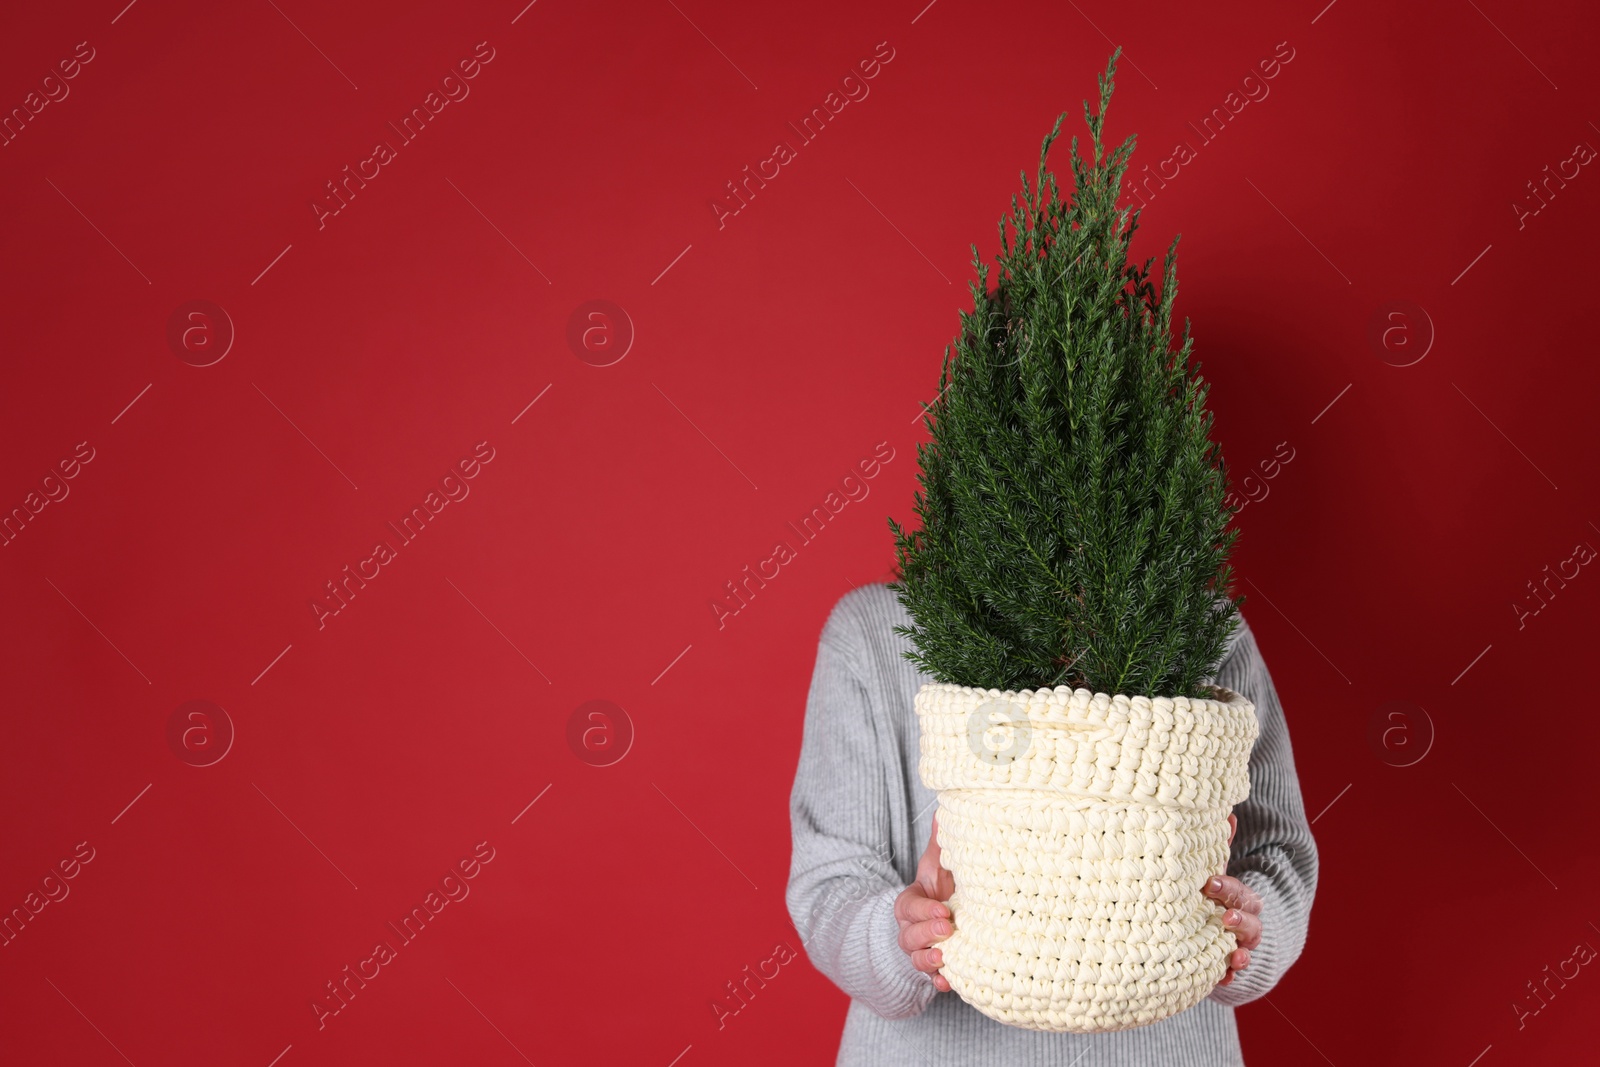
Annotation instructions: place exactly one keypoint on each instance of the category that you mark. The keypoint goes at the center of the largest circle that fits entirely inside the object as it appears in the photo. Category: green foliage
(1073, 530)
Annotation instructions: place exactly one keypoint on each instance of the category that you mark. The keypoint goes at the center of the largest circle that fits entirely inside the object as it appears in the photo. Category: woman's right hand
(923, 918)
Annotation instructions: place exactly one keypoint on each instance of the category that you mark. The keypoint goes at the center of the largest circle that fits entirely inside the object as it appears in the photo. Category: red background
(771, 355)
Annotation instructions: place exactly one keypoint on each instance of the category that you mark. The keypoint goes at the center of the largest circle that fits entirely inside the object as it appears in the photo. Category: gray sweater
(861, 817)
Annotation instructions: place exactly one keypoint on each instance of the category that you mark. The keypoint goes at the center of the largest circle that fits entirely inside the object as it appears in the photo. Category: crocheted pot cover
(1080, 828)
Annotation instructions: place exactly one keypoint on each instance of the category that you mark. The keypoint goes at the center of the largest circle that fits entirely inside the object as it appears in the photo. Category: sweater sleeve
(842, 886)
(1273, 850)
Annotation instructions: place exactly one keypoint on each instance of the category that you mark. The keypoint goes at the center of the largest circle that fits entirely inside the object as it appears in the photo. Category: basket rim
(1090, 738)
(1222, 698)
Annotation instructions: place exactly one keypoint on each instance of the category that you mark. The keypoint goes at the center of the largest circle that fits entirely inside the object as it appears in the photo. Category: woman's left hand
(1243, 916)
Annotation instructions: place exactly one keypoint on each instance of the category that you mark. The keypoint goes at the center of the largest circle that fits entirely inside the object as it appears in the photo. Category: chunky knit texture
(1077, 826)
(861, 817)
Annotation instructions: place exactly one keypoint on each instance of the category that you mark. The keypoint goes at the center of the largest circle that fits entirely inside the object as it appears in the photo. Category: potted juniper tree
(1068, 593)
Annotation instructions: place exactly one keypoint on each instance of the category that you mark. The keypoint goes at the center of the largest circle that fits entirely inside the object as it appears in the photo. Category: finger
(904, 902)
(917, 907)
(1246, 927)
(934, 877)
(927, 960)
(922, 935)
(1252, 901)
(940, 982)
(1238, 960)
(944, 883)
(1232, 893)
(930, 870)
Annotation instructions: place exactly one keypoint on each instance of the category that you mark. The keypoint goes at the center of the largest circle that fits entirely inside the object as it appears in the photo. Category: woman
(865, 883)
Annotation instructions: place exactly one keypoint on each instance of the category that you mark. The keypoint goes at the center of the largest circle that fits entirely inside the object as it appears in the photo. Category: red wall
(374, 348)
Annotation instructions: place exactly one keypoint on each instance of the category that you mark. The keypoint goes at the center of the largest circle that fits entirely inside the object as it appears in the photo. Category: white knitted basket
(1080, 829)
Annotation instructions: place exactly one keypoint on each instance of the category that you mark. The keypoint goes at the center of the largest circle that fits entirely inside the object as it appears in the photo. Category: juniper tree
(1073, 526)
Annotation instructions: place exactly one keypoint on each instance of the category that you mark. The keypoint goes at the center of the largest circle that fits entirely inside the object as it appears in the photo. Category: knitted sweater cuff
(897, 990)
